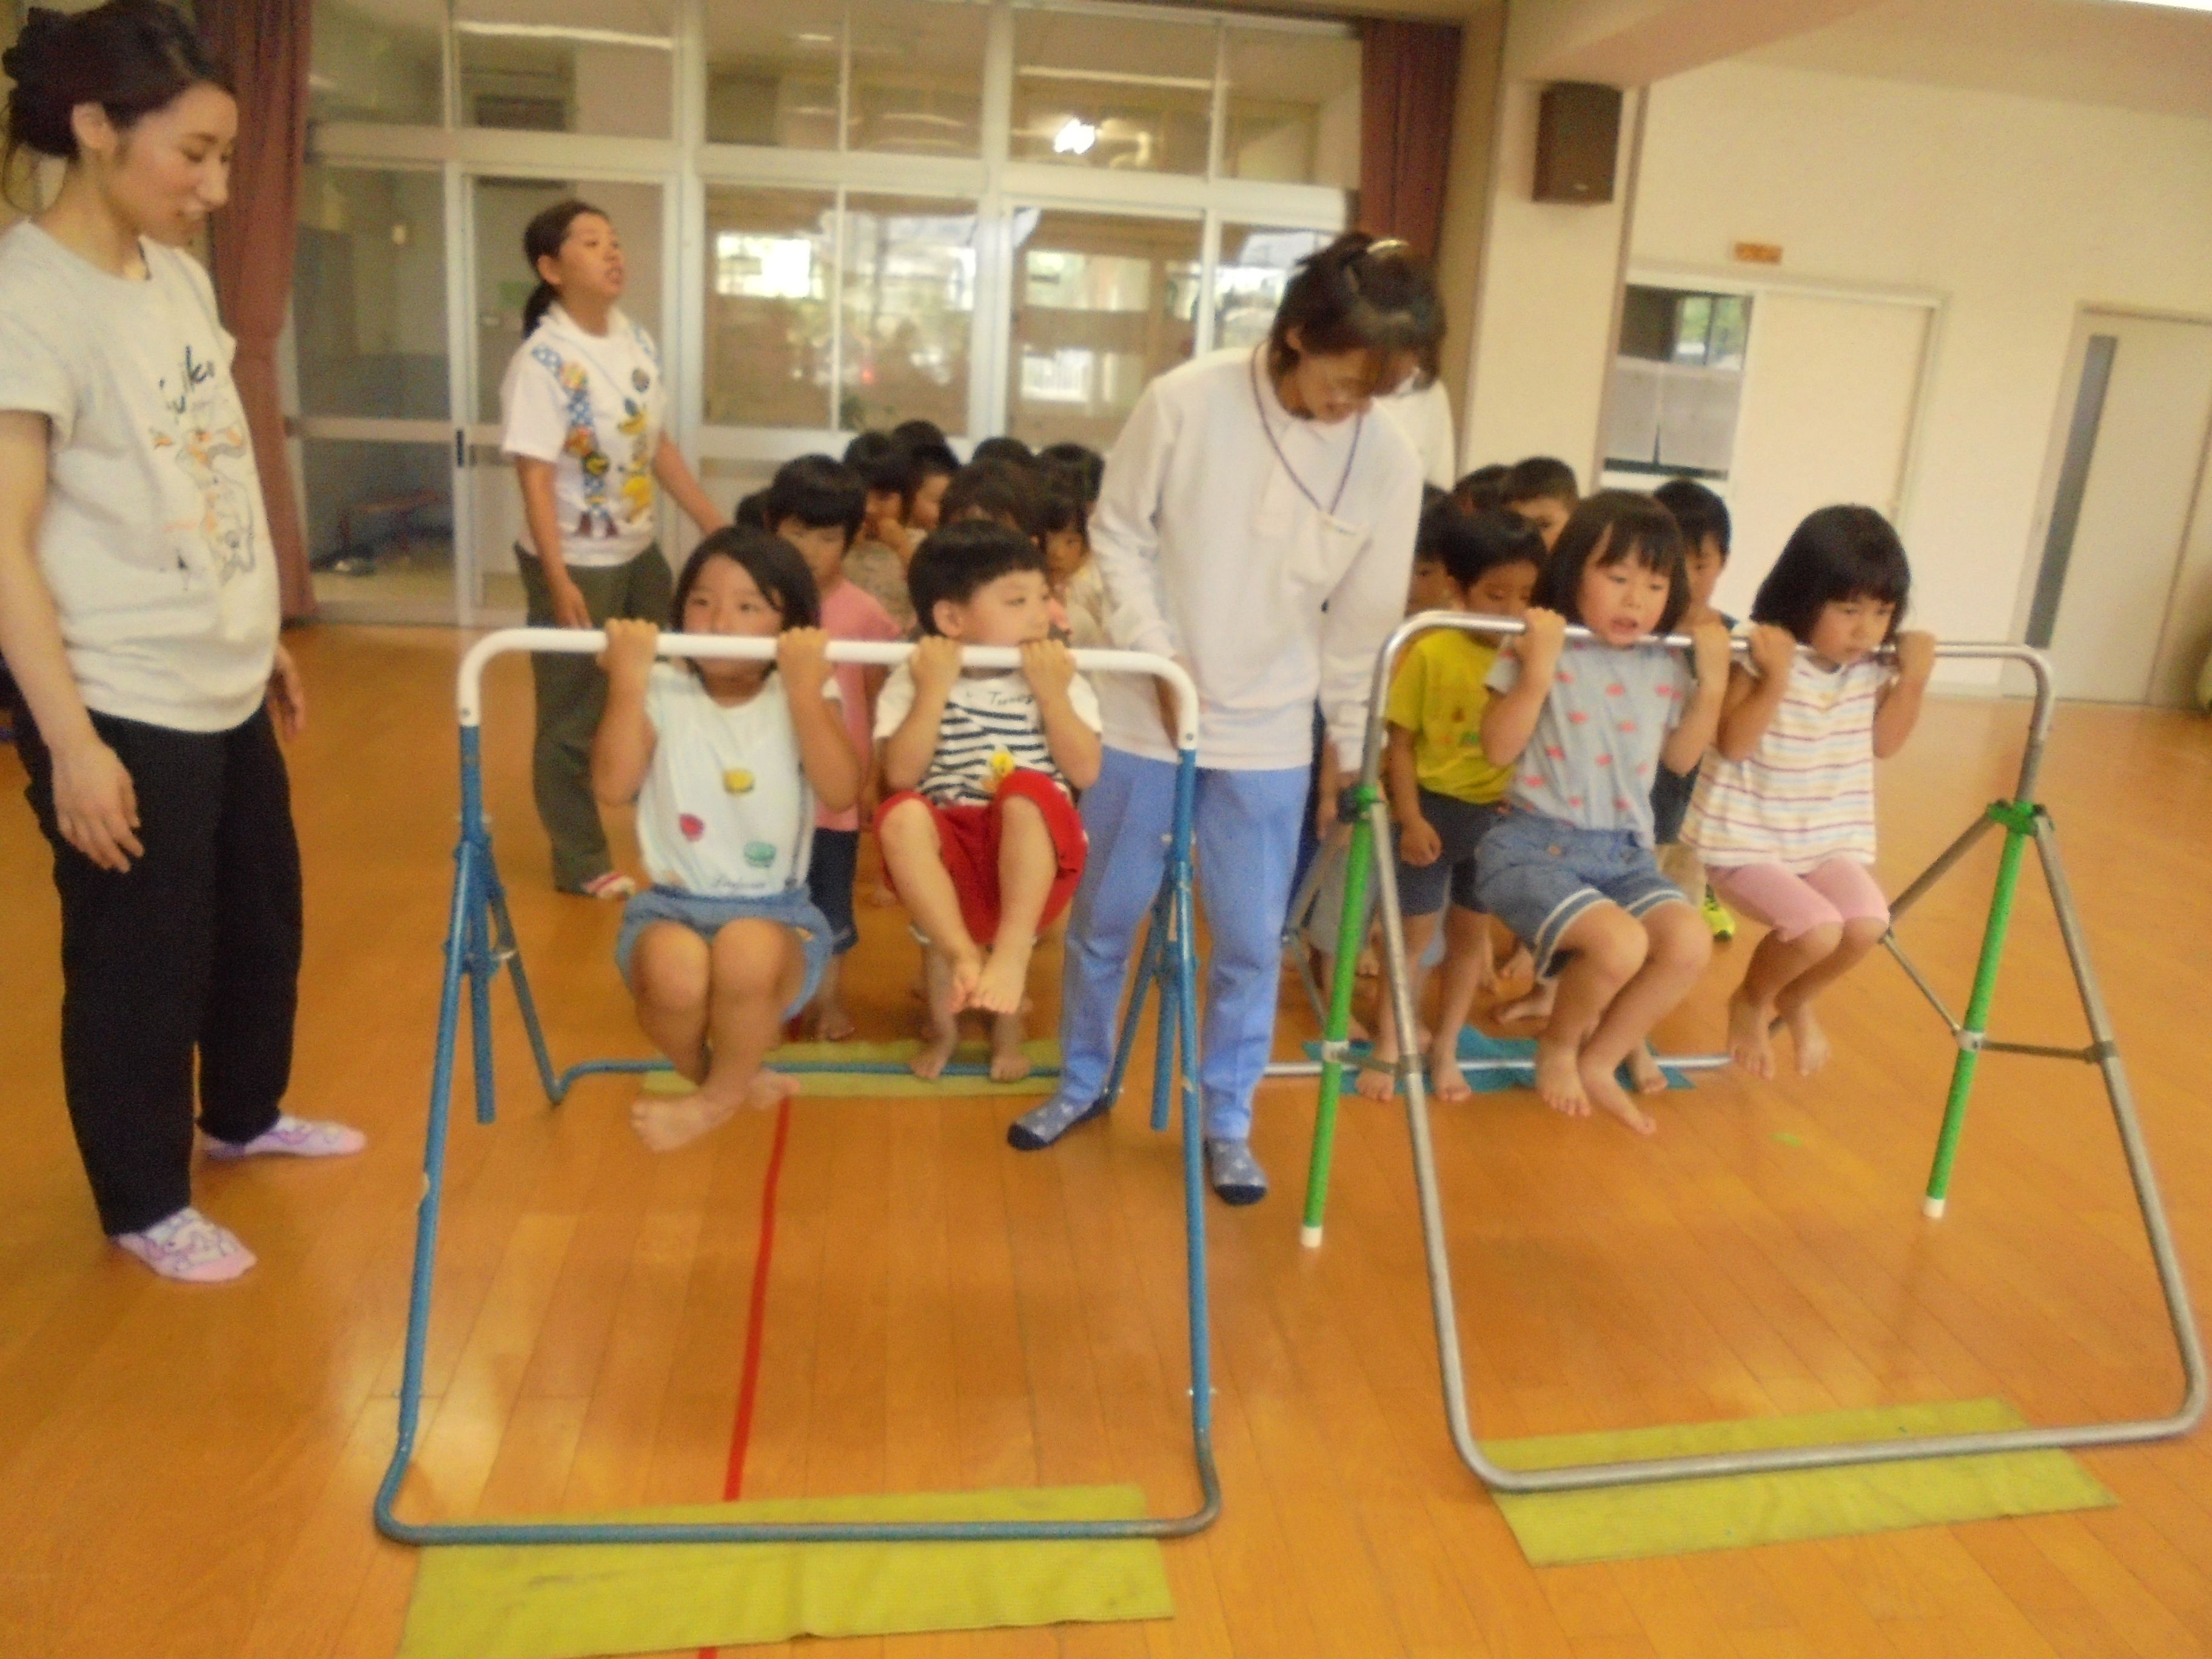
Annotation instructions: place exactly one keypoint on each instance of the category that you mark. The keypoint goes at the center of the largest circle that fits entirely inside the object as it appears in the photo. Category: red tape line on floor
(741, 1431)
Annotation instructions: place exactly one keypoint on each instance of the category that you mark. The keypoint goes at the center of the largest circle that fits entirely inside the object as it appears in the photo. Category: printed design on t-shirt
(208, 439)
(627, 505)
(761, 855)
(693, 826)
(979, 744)
(738, 781)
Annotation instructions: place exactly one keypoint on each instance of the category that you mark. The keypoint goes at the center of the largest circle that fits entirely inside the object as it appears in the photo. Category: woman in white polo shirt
(583, 409)
(1256, 524)
(138, 616)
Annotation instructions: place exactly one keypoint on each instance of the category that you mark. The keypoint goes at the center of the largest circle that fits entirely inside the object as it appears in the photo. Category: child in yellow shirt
(1444, 789)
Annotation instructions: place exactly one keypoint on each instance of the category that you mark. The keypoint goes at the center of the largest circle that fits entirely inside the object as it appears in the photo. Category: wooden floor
(189, 1474)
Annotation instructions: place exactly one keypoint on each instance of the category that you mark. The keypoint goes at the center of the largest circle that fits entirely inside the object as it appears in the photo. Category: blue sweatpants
(1248, 842)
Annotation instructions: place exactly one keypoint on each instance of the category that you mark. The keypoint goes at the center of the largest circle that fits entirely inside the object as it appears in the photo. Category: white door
(2124, 592)
(1830, 387)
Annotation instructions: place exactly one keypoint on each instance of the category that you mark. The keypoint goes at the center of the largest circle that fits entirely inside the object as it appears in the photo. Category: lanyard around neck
(1260, 408)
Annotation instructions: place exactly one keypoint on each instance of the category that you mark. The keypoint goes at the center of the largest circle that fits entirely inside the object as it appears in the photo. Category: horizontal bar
(590, 641)
(1386, 663)
(1285, 1068)
(2089, 1055)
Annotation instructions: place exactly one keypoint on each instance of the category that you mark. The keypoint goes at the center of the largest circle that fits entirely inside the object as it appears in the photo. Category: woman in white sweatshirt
(582, 408)
(1257, 524)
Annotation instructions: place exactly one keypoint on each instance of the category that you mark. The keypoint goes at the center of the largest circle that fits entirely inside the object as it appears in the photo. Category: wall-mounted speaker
(1577, 139)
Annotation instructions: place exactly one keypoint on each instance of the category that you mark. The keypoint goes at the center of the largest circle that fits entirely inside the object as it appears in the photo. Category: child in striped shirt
(981, 842)
(1783, 812)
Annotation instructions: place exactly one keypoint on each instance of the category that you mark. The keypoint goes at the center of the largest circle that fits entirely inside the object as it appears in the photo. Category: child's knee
(1678, 937)
(750, 956)
(907, 824)
(1821, 938)
(1611, 942)
(669, 969)
(1865, 932)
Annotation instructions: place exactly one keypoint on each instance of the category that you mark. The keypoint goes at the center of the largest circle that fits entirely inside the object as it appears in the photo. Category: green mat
(569, 1601)
(1480, 1045)
(877, 1086)
(1680, 1516)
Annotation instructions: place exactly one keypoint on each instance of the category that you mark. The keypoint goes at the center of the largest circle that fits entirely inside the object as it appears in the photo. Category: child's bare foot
(1369, 964)
(1537, 1005)
(1559, 1079)
(935, 1055)
(1810, 1041)
(1606, 1094)
(965, 972)
(1446, 1080)
(1518, 963)
(882, 896)
(1643, 1071)
(1005, 977)
(1378, 1077)
(832, 1024)
(1010, 1062)
(1749, 1045)
(665, 1125)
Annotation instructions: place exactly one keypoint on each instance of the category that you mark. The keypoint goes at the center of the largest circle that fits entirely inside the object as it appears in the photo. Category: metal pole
(2019, 825)
(1148, 970)
(1350, 927)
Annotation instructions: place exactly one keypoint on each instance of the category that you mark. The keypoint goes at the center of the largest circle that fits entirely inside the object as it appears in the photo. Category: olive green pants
(572, 694)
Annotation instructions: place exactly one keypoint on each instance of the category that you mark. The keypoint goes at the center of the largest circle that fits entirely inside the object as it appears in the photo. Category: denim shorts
(1536, 875)
(1460, 825)
(705, 914)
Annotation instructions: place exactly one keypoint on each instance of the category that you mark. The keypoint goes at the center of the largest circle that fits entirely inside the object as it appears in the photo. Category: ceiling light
(1075, 137)
(562, 32)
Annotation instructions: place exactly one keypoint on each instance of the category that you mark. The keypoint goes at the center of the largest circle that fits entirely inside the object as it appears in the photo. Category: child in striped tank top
(1783, 812)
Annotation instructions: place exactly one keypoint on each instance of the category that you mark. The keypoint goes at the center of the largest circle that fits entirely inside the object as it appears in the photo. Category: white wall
(1544, 329)
(2017, 211)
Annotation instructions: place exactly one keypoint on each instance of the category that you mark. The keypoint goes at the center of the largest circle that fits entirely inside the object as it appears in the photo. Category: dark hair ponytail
(1360, 292)
(130, 56)
(543, 238)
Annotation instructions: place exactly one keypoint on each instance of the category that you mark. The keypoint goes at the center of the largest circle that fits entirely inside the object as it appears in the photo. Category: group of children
(754, 782)
(1592, 794)
(1588, 793)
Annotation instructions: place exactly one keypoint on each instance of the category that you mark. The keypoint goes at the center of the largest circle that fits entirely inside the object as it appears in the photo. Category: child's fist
(1916, 656)
(1418, 844)
(1773, 651)
(630, 648)
(1543, 636)
(1709, 650)
(802, 657)
(1049, 667)
(936, 665)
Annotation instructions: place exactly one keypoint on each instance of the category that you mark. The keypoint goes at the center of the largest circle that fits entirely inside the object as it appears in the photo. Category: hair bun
(21, 60)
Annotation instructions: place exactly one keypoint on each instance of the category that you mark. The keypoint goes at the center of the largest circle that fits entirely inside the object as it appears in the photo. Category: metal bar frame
(480, 941)
(2025, 824)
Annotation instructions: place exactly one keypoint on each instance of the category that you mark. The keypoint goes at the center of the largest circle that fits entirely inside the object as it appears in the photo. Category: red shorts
(969, 837)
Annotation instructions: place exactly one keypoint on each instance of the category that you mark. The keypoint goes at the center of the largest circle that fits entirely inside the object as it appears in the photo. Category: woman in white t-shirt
(728, 762)
(583, 409)
(138, 617)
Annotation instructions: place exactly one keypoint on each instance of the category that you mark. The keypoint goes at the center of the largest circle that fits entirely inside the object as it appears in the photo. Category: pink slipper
(292, 1136)
(609, 884)
(189, 1248)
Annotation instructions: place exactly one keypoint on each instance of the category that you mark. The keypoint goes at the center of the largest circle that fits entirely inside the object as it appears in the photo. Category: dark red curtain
(265, 43)
(1409, 81)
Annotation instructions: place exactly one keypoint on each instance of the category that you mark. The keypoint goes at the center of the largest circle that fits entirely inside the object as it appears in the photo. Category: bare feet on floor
(1606, 1094)
(1749, 1045)
(1809, 1039)
(1009, 1061)
(665, 1124)
(1446, 1080)
(833, 1024)
(1643, 1071)
(1377, 1079)
(1559, 1079)
(935, 1054)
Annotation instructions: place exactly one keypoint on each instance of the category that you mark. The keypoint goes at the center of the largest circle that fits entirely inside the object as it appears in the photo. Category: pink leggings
(1840, 890)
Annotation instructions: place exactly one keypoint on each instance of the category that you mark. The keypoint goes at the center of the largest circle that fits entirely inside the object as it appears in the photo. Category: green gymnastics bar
(480, 944)
(2025, 824)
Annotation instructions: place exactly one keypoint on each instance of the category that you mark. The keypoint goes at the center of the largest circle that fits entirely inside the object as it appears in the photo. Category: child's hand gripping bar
(589, 642)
